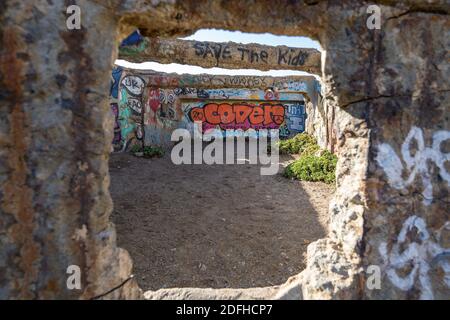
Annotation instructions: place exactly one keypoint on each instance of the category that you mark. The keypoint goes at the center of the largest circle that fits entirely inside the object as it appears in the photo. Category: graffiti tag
(134, 85)
(239, 115)
(412, 250)
(416, 162)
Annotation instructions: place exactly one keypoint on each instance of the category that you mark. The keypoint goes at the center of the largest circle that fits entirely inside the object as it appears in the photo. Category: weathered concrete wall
(391, 98)
(321, 121)
(151, 114)
(387, 88)
(224, 55)
(55, 139)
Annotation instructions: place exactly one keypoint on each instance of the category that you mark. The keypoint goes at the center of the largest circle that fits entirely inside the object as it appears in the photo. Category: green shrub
(297, 144)
(310, 149)
(153, 151)
(148, 151)
(135, 148)
(310, 167)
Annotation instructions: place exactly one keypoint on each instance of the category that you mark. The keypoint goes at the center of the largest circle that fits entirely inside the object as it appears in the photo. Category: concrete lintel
(229, 55)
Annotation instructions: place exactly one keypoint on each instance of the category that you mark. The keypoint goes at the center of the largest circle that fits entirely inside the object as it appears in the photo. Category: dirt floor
(219, 226)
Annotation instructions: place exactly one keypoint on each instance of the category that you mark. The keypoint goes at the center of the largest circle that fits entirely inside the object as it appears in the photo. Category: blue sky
(235, 36)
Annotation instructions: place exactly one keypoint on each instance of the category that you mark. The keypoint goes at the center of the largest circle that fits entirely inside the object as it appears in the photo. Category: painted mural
(225, 109)
(288, 117)
(148, 114)
(126, 98)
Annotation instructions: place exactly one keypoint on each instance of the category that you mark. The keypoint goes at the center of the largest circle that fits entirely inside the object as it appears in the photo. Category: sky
(235, 36)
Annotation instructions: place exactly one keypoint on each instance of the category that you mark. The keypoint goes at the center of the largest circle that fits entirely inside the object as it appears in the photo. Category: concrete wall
(390, 93)
(321, 122)
(146, 112)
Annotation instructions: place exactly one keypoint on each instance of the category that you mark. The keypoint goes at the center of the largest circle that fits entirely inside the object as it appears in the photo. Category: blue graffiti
(116, 74)
(133, 39)
(295, 117)
(284, 131)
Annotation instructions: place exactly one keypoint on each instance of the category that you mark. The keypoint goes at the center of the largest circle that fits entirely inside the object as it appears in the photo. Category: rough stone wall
(148, 113)
(390, 86)
(390, 93)
(55, 137)
(408, 226)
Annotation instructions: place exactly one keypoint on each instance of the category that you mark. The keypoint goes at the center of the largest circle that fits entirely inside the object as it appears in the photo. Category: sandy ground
(219, 226)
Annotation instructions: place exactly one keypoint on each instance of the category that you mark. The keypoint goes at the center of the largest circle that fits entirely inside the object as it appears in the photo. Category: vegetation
(313, 165)
(148, 151)
(136, 148)
(153, 151)
(313, 168)
(297, 144)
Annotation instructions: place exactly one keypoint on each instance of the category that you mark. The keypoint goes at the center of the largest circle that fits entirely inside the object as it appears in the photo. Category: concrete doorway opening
(211, 226)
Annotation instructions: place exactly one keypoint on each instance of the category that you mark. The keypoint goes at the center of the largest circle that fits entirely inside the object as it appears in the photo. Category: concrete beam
(228, 55)
(211, 81)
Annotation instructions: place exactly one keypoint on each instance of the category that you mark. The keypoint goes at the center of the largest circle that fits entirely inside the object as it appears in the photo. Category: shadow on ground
(218, 226)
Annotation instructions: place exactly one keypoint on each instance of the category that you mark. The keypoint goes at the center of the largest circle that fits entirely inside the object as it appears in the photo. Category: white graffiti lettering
(417, 163)
(134, 84)
(415, 254)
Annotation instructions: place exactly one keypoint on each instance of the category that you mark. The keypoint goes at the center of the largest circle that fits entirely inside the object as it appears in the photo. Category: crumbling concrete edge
(291, 290)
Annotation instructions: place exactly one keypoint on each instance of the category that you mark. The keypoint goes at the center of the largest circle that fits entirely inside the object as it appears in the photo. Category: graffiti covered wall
(225, 109)
(126, 98)
(148, 106)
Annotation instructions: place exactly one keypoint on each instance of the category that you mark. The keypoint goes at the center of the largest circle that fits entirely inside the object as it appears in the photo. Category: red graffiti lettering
(197, 115)
(226, 113)
(211, 114)
(257, 115)
(273, 114)
(242, 112)
(154, 99)
(239, 116)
